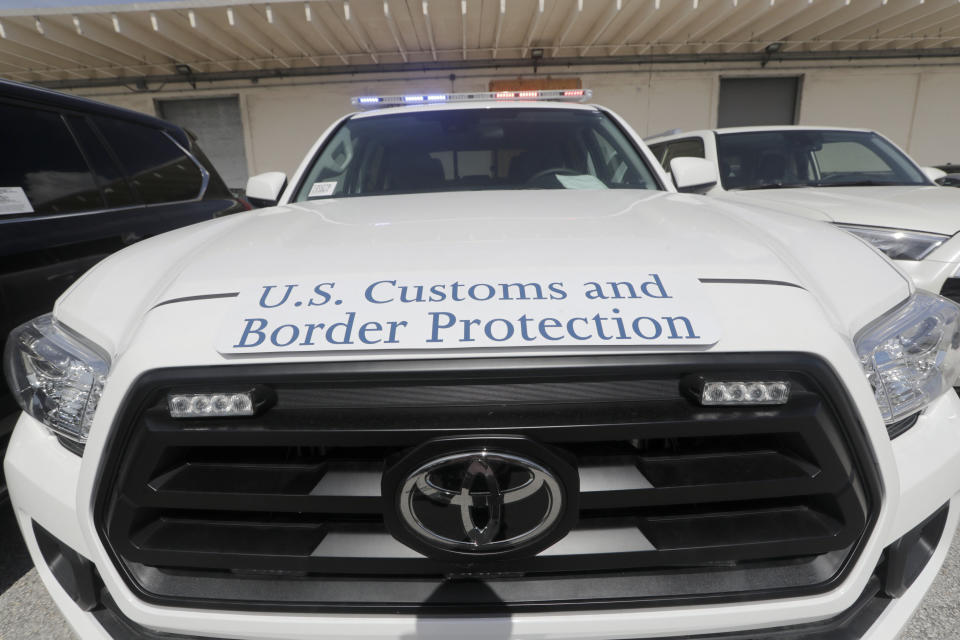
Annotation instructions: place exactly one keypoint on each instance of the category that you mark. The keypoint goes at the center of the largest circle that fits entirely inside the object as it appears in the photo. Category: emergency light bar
(566, 95)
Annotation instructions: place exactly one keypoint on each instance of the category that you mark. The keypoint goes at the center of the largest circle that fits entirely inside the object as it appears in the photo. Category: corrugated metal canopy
(76, 46)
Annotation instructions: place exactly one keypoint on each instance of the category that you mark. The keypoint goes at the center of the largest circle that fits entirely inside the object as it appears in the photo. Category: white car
(482, 373)
(854, 178)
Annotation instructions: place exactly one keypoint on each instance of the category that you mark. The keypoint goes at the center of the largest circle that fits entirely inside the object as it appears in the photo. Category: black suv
(78, 181)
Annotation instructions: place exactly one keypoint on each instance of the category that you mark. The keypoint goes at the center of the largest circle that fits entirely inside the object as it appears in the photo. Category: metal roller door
(748, 102)
(216, 123)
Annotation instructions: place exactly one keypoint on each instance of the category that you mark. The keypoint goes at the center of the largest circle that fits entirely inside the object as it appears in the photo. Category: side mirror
(933, 173)
(264, 189)
(693, 175)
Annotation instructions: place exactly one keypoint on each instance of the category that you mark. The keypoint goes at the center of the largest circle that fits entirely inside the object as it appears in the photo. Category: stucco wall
(913, 104)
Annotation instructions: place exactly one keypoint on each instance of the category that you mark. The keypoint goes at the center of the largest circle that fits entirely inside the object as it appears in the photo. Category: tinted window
(688, 148)
(657, 151)
(115, 189)
(811, 158)
(476, 149)
(157, 168)
(40, 156)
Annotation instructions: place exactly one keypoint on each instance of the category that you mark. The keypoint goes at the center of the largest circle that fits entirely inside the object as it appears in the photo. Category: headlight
(898, 244)
(55, 376)
(912, 354)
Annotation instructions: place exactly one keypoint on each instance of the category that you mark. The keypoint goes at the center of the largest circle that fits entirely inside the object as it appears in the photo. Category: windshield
(807, 158)
(475, 149)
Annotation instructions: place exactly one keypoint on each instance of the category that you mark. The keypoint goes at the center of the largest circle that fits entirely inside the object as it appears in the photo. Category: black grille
(678, 503)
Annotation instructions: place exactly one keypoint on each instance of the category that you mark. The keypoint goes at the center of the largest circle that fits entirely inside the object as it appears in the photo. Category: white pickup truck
(482, 373)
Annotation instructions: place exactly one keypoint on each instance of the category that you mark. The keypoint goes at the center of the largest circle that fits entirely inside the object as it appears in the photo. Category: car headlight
(55, 375)
(898, 244)
(911, 355)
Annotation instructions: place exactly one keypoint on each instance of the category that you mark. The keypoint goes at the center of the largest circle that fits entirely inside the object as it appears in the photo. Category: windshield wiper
(773, 185)
(861, 183)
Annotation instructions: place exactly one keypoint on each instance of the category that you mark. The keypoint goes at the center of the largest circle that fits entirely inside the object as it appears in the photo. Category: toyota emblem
(482, 502)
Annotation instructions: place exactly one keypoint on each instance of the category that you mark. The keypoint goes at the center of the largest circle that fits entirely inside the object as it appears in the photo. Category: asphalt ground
(28, 613)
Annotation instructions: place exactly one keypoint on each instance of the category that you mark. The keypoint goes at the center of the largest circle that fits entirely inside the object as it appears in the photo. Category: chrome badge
(482, 502)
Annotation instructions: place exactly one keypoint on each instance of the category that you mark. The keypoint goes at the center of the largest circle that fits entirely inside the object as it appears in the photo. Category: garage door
(217, 125)
(757, 101)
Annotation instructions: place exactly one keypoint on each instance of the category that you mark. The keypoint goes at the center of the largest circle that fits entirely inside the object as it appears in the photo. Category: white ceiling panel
(221, 38)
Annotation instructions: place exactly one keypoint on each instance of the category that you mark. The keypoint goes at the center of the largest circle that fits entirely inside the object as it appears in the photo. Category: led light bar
(745, 393)
(564, 95)
(211, 405)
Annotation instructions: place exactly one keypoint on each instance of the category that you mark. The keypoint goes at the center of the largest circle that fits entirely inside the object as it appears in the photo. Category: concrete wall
(916, 105)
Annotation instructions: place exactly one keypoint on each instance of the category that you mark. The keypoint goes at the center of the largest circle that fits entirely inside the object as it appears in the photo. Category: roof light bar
(565, 95)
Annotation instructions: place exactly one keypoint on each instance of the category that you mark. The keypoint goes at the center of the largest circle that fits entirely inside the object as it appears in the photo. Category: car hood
(498, 234)
(931, 209)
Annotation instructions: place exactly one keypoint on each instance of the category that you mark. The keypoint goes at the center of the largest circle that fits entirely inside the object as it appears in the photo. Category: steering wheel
(556, 171)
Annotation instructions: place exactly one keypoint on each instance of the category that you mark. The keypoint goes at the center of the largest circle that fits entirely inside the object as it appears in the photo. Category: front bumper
(926, 476)
(903, 563)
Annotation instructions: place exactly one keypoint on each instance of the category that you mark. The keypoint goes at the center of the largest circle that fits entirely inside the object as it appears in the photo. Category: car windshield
(475, 149)
(810, 158)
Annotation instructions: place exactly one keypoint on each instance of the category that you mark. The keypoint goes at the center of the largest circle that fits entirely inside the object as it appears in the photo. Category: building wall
(913, 104)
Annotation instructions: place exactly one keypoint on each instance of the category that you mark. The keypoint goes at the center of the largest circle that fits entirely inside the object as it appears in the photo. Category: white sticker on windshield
(14, 200)
(585, 181)
(322, 189)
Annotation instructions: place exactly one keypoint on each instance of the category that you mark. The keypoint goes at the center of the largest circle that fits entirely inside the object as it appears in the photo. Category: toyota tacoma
(481, 372)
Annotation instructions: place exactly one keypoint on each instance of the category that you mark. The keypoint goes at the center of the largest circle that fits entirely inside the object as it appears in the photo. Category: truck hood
(498, 233)
(931, 209)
